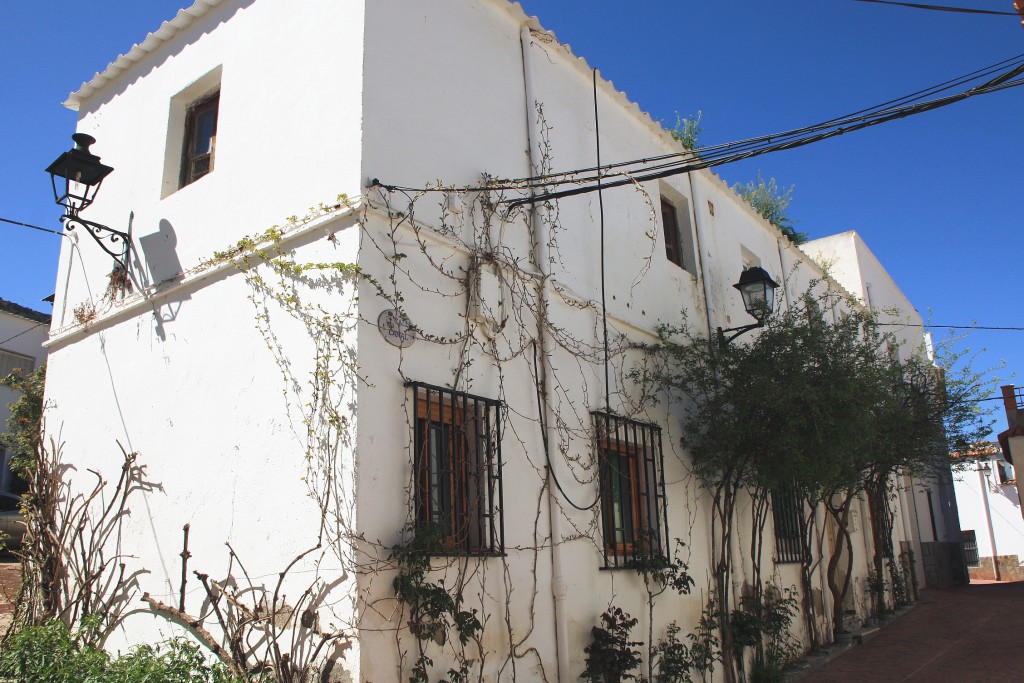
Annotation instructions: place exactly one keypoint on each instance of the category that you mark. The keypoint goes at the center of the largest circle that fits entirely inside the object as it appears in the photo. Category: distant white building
(395, 357)
(990, 516)
(22, 334)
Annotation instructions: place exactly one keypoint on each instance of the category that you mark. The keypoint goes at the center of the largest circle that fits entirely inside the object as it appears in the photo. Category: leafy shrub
(612, 655)
(53, 654)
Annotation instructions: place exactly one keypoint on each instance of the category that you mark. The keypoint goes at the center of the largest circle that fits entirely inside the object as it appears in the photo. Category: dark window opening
(673, 243)
(971, 548)
(457, 462)
(675, 222)
(200, 139)
(632, 490)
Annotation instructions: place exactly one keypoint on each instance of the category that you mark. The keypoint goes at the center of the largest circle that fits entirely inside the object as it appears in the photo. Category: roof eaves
(23, 312)
(167, 31)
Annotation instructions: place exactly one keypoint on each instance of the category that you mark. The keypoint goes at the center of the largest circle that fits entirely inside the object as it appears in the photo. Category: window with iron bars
(790, 526)
(881, 520)
(457, 464)
(632, 484)
(971, 548)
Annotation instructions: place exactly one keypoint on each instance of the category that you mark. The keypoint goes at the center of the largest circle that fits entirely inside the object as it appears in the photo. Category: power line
(942, 8)
(956, 327)
(25, 331)
(1002, 75)
(34, 227)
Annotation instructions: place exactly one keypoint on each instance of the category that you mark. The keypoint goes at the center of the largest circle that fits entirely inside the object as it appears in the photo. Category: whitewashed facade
(253, 377)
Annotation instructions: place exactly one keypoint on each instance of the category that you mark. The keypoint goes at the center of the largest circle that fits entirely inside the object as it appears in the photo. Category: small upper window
(200, 139)
(673, 245)
(632, 489)
(675, 221)
(457, 462)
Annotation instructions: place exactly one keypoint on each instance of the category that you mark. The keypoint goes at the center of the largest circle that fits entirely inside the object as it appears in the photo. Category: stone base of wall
(1010, 569)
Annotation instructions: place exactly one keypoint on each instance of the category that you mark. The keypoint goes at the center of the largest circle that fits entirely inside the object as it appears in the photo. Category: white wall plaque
(396, 328)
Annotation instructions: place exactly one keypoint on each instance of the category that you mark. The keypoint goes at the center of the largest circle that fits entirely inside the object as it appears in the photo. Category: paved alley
(968, 635)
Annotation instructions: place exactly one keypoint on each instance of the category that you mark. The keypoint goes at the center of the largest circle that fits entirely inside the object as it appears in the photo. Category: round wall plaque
(396, 328)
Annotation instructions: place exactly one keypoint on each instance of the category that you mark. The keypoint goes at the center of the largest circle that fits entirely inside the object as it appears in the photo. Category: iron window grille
(631, 465)
(790, 527)
(457, 464)
(971, 548)
(881, 521)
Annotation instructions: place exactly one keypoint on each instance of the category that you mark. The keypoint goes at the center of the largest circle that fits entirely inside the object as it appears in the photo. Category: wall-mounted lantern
(758, 291)
(76, 177)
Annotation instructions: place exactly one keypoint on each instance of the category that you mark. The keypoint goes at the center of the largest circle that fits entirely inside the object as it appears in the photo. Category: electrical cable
(717, 155)
(544, 439)
(34, 227)
(604, 307)
(700, 161)
(25, 331)
(942, 8)
(956, 327)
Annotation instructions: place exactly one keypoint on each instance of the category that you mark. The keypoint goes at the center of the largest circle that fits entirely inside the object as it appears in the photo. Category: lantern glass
(758, 291)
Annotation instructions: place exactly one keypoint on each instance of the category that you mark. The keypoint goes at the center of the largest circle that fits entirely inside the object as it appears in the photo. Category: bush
(52, 653)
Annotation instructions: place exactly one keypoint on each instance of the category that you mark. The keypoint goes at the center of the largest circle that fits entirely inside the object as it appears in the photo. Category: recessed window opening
(193, 121)
(675, 223)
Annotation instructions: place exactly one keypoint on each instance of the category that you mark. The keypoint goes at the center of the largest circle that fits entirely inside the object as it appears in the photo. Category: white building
(990, 517)
(265, 370)
(22, 334)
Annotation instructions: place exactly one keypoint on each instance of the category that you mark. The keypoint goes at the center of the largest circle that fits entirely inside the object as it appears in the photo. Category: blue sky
(937, 196)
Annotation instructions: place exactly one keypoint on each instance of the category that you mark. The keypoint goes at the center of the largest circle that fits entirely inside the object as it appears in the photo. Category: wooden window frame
(189, 158)
(673, 240)
(457, 469)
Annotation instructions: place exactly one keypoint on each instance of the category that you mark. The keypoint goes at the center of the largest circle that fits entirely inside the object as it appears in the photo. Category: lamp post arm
(736, 331)
(119, 242)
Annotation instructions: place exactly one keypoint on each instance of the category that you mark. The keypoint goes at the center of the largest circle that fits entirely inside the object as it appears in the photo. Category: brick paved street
(10, 579)
(968, 635)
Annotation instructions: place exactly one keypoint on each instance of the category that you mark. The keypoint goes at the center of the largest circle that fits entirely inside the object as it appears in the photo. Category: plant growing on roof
(773, 204)
(687, 130)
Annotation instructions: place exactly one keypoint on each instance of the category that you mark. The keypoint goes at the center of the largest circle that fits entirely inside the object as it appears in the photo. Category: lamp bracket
(736, 331)
(114, 242)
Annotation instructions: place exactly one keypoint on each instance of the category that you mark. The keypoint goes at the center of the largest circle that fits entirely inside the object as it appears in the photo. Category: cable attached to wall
(544, 438)
(600, 202)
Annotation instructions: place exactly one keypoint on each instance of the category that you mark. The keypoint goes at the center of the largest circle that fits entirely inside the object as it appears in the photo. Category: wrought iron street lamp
(758, 291)
(76, 177)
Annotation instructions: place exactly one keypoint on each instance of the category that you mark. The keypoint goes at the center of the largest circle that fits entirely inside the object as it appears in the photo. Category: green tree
(773, 204)
(24, 425)
(818, 403)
